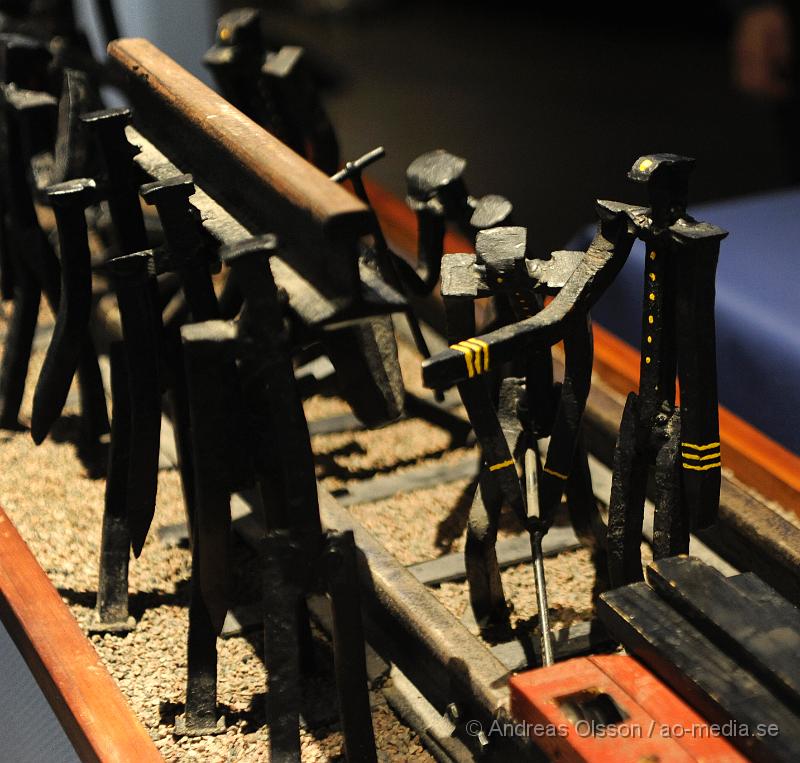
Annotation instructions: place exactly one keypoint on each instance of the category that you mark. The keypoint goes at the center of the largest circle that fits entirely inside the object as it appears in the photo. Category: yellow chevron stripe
(477, 356)
(704, 468)
(554, 473)
(485, 346)
(700, 447)
(501, 465)
(695, 457)
(467, 351)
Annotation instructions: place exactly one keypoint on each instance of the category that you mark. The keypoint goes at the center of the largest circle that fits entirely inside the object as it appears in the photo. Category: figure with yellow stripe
(679, 443)
(505, 379)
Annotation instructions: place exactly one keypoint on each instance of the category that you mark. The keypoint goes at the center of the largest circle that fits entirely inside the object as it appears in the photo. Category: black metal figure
(273, 87)
(530, 407)
(680, 442)
(235, 447)
(29, 130)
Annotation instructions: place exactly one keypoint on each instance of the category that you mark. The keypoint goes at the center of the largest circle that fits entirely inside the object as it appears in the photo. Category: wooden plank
(86, 700)
(755, 589)
(510, 551)
(737, 624)
(569, 641)
(261, 182)
(419, 478)
(701, 673)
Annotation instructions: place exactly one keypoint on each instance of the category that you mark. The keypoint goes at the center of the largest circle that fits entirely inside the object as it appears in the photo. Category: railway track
(417, 621)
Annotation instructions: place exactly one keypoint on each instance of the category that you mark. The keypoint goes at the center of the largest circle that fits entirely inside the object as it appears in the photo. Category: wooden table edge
(84, 697)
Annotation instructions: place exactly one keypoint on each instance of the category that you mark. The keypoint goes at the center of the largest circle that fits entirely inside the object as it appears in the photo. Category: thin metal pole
(532, 494)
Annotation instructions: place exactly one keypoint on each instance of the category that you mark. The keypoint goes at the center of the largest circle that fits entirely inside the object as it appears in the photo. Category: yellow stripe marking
(501, 465)
(652, 276)
(695, 457)
(652, 255)
(485, 346)
(650, 319)
(700, 447)
(477, 357)
(716, 465)
(652, 297)
(554, 473)
(467, 351)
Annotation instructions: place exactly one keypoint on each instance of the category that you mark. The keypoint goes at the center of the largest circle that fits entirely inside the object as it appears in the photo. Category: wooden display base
(84, 697)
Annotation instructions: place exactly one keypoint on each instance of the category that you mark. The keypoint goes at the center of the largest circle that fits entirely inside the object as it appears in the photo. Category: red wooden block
(610, 709)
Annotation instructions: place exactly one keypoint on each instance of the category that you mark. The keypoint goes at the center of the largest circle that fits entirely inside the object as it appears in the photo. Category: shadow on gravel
(93, 456)
(139, 601)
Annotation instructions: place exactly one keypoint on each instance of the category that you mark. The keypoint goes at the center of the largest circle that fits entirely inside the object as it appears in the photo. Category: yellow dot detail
(652, 297)
(649, 340)
(644, 164)
(650, 319)
(652, 276)
(225, 34)
(499, 280)
(647, 360)
(652, 255)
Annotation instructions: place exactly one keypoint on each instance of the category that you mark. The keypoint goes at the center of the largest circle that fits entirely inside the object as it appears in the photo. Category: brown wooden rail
(261, 182)
(756, 460)
(84, 697)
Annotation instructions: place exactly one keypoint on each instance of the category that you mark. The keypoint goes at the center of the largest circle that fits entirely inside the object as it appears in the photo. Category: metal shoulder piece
(437, 192)
(595, 271)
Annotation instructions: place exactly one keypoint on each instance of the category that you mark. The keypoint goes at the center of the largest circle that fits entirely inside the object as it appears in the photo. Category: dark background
(550, 108)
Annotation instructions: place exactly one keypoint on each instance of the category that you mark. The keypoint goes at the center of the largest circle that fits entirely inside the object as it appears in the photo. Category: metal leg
(348, 648)
(178, 401)
(200, 717)
(483, 574)
(626, 509)
(282, 589)
(94, 413)
(17, 353)
(583, 509)
(115, 545)
(671, 525)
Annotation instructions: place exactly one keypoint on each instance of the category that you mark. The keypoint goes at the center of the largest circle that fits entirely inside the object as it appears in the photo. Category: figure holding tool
(530, 407)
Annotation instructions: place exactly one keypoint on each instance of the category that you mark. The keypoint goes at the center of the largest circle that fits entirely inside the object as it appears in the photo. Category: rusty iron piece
(529, 406)
(285, 472)
(120, 178)
(678, 339)
(28, 118)
(69, 201)
(132, 280)
(111, 609)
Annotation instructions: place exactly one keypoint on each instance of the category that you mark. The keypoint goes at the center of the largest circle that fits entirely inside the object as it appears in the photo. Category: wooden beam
(698, 671)
(756, 636)
(264, 184)
(84, 697)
